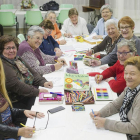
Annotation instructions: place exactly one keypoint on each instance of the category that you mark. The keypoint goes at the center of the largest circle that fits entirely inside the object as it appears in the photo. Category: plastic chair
(66, 6)
(62, 16)
(8, 19)
(6, 6)
(32, 18)
(21, 37)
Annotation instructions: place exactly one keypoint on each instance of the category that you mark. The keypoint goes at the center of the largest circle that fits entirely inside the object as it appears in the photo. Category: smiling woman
(106, 13)
(127, 104)
(30, 52)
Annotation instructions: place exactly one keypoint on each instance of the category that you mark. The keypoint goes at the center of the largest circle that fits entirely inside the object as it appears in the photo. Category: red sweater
(117, 70)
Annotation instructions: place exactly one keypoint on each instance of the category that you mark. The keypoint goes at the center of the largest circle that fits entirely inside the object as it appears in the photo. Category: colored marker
(93, 112)
(57, 93)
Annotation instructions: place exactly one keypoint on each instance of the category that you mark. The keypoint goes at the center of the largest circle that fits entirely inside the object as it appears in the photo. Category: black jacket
(9, 131)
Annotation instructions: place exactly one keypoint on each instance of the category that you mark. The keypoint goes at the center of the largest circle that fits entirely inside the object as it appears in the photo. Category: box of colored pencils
(78, 57)
(85, 97)
(78, 106)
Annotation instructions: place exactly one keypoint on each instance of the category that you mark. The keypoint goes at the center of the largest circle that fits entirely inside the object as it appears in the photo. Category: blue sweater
(48, 46)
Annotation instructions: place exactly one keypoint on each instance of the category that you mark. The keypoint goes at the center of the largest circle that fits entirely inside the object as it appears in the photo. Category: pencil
(24, 125)
(98, 78)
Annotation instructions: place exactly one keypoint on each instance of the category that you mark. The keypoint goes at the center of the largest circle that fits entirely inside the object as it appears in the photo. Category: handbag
(96, 3)
(51, 5)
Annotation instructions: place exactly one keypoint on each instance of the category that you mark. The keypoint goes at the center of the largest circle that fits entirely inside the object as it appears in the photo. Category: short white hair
(110, 22)
(33, 29)
(49, 12)
(106, 6)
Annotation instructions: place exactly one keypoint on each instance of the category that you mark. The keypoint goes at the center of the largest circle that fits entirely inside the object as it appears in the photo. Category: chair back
(21, 37)
(66, 6)
(33, 17)
(6, 6)
(7, 19)
(62, 16)
(35, 7)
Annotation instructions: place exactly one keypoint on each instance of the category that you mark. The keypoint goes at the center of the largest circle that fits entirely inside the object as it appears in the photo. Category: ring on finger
(30, 134)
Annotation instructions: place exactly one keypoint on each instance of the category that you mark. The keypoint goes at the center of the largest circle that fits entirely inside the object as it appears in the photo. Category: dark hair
(6, 39)
(47, 24)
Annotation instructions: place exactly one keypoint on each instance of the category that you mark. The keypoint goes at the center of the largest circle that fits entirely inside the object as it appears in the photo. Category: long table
(67, 124)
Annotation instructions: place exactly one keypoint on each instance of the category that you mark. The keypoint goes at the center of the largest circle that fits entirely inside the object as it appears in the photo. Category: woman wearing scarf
(21, 80)
(127, 104)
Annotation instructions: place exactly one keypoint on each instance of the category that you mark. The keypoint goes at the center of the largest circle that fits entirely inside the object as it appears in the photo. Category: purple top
(36, 59)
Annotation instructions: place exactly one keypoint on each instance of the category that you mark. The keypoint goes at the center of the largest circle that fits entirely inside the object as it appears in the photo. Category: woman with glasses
(125, 50)
(37, 60)
(108, 44)
(99, 31)
(49, 45)
(9, 115)
(56, 33)
(126, 26)
(74, 25)
(22, 81)
(127, 105)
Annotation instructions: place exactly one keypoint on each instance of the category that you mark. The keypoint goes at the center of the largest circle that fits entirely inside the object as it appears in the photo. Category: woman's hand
(94, 63)
(98, 37)
(108, 79)
(96, 54)
(58, 65)
(62, 42)
(96, 114)
(26, 132)
(98, 78)
(62, 60)
(48, 84)
(89, 52)
(69, 35)
(32, 114)
(99, 122)
(43, 90)
(58, 53)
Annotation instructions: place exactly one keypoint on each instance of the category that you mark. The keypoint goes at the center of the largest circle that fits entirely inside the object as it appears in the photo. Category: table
(67, 124)
(93, 13)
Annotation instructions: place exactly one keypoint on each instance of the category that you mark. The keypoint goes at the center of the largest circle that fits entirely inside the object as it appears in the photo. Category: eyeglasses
(39, 39)
(52, 18)
(106, 12)
(42, 127)
(48, 31)
(122, 53)
(126, 28)
(9, 48)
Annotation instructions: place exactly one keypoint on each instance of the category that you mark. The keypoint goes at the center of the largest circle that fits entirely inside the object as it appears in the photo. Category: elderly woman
(74, 25)
(126, 26)
(99, 31)
(127, 104)
(56, 33)
(108, 44)
(8, 115)
(125, 50)
(21, 80)
(30, 52)
(49, 45)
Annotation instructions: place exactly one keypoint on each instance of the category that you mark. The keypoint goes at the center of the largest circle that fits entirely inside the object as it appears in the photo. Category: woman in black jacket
(8, 115)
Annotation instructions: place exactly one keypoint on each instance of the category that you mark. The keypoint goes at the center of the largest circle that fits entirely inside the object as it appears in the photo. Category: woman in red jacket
(125, 50)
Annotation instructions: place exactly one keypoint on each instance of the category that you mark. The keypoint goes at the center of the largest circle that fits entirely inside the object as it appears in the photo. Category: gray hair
(130, 43)
(33, 29)
(110, 22)
(106, 6)
(49, 12)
